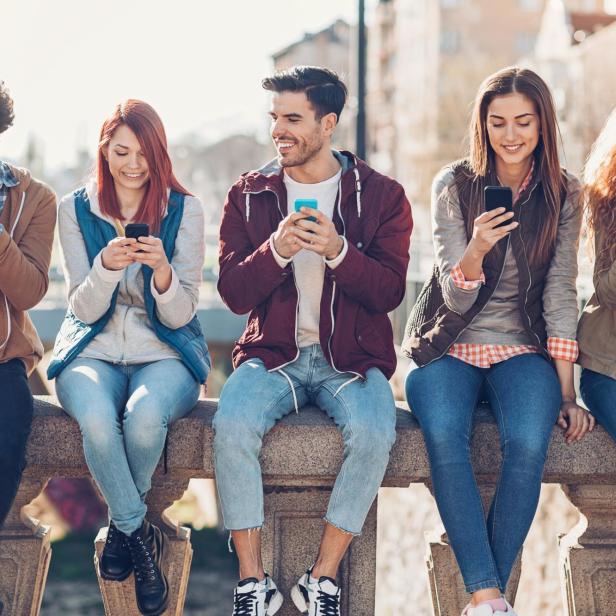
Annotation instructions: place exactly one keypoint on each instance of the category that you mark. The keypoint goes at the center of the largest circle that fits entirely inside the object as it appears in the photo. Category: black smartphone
(499, 196)
(137, 230)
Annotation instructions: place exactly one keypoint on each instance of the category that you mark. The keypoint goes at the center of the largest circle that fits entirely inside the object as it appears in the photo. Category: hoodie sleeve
(24, 266)
(247, 276)
(376, 278)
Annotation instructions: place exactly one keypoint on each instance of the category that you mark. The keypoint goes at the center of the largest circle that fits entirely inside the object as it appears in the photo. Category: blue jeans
(599, 394)
(253, 400)
(524, 394)
(123, 412)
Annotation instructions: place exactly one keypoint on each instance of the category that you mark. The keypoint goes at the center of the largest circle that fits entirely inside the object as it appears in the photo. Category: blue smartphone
(313, 203)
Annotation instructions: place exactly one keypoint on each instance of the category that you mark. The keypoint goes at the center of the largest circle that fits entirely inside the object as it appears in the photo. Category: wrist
(474, 253)
(569, 397)
(340, 245)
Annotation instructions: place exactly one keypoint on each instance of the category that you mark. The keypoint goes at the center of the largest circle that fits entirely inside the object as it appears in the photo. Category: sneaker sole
(298, 600)
(275, 604)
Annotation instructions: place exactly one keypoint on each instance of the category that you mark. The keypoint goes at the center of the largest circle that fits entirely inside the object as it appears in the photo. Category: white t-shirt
(309, 267)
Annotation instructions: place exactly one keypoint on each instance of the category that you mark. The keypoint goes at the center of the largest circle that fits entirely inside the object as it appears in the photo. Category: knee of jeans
(232, 428)
(145, 435)
(446, 441)
(531, 452)
(365, 440)
(98, 431)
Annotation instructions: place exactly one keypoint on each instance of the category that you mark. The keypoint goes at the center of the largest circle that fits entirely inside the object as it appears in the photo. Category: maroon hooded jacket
(355, 332)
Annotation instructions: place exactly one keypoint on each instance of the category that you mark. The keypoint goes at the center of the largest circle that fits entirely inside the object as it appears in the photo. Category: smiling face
(127, 163)
(298, 135)
(513, 128)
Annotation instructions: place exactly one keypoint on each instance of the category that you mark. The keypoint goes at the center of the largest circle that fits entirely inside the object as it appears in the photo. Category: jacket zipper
(296, 289)
(530, 328)
(331, 306)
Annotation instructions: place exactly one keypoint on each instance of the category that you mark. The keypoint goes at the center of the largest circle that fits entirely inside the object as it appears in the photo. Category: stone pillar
(446, 585)
(291, 537)
(588, 552)
(25, 553)
(119, 597)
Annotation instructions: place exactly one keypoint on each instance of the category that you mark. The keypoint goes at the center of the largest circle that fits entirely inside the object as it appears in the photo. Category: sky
(199, 63)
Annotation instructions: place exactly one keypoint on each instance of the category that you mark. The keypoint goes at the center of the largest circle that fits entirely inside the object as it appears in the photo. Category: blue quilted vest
(75, 335)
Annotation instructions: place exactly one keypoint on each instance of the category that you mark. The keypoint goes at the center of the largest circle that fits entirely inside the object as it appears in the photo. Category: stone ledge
(306, 449)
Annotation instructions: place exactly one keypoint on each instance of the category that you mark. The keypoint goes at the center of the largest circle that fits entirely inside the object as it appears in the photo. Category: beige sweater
(24, 262)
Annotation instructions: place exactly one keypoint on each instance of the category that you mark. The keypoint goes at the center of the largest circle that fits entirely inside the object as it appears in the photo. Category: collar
(7, 177)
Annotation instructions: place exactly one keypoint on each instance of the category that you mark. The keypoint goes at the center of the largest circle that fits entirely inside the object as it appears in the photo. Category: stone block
(291, 536)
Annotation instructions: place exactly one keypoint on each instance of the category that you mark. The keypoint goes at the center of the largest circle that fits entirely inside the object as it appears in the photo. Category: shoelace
(243, 603)
(143, 563)
(114, 536)
(329, 605)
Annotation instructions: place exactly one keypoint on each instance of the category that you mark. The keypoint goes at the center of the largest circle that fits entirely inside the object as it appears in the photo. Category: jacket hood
(269, 176)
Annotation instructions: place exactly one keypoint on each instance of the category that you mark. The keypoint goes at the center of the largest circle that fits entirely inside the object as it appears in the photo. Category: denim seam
(486, 540)
(335, 494)
(505, 448)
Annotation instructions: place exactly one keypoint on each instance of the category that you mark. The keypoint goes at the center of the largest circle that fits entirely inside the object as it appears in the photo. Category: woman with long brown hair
(498, 318)
(597, 327)
(130, 355)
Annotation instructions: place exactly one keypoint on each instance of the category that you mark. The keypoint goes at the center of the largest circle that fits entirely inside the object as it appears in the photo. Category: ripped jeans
(253, 400)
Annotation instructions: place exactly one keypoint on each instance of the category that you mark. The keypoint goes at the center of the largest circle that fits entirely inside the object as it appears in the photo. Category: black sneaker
(320, 598)
(251, 598)
(147, 546)
(115, 562)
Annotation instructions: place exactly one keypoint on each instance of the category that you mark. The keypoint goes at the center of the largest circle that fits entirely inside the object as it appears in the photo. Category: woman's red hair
(150, 132)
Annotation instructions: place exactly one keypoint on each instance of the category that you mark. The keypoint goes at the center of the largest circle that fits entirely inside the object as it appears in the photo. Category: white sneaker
(251, 598)
(320, 598)
(487, 610)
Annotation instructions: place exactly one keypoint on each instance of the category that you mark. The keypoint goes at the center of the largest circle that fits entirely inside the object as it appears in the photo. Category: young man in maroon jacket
(318, 284)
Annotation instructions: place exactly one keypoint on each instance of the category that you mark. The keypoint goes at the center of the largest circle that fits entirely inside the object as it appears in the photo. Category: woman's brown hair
(600, 188)
(481, 171)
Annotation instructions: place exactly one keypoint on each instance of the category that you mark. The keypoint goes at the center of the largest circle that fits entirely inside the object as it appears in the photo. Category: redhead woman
(498, 319)
(597, 328)
(130, 356)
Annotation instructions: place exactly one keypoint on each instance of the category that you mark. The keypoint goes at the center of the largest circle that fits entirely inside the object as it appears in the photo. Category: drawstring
(286, 376)
(345, 384)
(229, 545)
(247, 207)
(165, 453)
(357, 191)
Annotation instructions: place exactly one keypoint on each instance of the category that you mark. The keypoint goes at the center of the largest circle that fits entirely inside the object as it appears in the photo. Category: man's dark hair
(324, 89)
(6, 108)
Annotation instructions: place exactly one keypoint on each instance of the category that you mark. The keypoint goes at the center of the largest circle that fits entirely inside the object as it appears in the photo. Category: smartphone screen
(137, 230)
(499, 196)
(313, 203)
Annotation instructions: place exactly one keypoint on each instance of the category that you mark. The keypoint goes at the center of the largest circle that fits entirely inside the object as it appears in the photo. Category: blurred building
(571, 55)
(333, 48)
(428, 57)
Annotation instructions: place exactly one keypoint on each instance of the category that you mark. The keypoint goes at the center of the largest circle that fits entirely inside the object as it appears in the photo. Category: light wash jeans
(253, 400)
(524, 395)
(123, 412)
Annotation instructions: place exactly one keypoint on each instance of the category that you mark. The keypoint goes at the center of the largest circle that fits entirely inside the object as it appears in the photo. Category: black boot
(115, 562)
(147, 545)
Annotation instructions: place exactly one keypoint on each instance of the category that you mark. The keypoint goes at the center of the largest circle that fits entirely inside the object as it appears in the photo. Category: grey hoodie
(128, 337)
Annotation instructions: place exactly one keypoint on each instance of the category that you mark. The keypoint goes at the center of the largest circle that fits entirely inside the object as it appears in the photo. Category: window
(450, 41)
